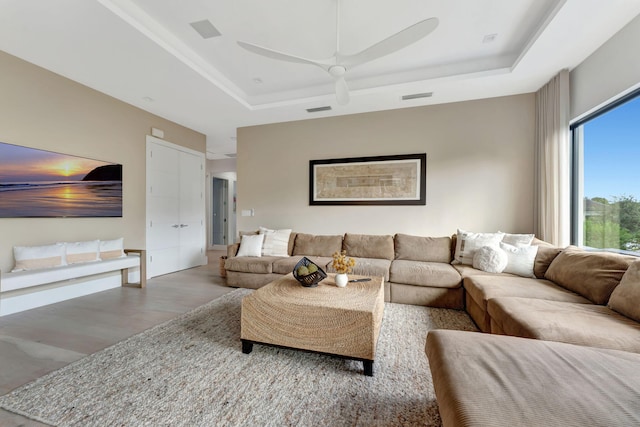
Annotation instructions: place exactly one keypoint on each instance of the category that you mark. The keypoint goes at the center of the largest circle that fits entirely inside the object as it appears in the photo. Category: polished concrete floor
(36, 342)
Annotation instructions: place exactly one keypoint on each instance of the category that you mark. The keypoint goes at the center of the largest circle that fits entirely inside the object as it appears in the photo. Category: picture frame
(375, 180)
(37, 183)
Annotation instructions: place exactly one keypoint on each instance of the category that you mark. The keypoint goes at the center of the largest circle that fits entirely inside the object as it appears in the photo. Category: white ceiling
(144, 52)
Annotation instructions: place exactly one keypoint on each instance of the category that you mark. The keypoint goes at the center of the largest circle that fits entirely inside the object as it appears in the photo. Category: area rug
(190, 371)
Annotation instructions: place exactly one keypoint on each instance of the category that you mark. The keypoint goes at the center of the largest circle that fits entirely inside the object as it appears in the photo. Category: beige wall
(610, 71)
(43, 110)
(479, 168)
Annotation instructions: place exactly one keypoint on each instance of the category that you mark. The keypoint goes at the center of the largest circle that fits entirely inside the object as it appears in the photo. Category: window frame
(577, 166)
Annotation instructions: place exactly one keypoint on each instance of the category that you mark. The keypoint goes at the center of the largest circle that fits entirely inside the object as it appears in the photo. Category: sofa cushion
(432, 274)
(369, 246)
(488, 380)
(261, 265)
(484, 288)
(312, 245)
(625, 298)
(286, 265)
(368, 267)
(583, 324)
(417, 248)
(593, 275)
(545, 256)
(468, 270)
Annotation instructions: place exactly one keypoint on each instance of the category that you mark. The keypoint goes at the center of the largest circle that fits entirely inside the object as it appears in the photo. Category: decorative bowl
(310, 280)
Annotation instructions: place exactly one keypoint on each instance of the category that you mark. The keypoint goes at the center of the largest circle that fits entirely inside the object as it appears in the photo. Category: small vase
(341, 280)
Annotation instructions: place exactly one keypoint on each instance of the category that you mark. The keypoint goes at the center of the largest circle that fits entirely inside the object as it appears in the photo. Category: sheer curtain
(552, 162)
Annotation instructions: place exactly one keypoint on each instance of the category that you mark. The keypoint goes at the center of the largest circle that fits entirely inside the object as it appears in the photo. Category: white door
(175, 208)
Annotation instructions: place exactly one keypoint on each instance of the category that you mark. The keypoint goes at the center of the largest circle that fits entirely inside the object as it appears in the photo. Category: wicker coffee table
(326, 319)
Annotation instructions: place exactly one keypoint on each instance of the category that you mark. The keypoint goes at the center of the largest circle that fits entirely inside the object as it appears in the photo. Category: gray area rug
(190, 371)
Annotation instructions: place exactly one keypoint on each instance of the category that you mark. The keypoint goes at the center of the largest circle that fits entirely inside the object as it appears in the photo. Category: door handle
(175, 226)
(184, 225)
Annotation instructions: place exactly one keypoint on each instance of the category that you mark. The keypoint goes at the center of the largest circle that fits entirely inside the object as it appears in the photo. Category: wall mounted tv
(39, 184)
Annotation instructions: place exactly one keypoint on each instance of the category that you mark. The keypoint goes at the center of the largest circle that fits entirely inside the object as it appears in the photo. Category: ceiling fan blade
(342, 91)
(274, 54)
(392, 43)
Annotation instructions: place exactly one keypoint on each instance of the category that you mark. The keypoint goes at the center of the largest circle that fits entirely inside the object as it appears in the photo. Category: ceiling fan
(339, 64)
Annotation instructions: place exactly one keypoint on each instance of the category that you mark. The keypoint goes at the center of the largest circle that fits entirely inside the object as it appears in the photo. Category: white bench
(23, 290)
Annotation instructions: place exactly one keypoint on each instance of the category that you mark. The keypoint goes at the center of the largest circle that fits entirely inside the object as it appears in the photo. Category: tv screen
(39, 184)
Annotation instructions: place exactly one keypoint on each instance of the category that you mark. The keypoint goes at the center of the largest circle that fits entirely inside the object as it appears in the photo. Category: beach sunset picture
(39, 183)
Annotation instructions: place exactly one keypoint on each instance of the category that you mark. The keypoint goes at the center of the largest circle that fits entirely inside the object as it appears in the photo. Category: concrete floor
(36, 342)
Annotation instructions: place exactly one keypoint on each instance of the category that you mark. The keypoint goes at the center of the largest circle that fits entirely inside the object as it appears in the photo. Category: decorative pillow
(490, 259)
(518, 239)
(245, 233)
(520, 259)
(418, 248)
(594, 275)
(625, 298)
(251, 245)
(110, 249)
(276, 242)
(467, 243)
(78, 252)
(34, 257)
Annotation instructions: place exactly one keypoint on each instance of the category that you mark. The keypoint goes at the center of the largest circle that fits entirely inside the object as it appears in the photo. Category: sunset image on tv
(38, 183)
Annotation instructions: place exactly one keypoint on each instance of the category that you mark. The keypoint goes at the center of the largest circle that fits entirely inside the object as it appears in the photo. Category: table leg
(368, 367)
(247, 346)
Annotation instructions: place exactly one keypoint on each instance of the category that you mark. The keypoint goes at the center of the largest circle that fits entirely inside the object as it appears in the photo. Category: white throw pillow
(34, 257)
(251, 245)
(518, 239)
(276, 242)
(467, 243)
(78, 252)
(521, 259)
(110, 249)
(490, 259)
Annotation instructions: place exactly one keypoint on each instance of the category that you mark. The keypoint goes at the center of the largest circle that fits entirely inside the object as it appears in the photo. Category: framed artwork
(40, 184)
(378, 180)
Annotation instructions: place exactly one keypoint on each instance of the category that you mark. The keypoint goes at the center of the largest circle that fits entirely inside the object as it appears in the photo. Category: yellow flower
(341, 263)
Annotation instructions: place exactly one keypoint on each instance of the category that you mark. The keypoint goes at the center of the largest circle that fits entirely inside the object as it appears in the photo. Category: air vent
(205, 29)
(318, 109)
(417, 95)
(231, 155)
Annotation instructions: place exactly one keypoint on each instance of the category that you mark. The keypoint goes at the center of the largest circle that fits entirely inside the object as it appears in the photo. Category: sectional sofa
(580, 311)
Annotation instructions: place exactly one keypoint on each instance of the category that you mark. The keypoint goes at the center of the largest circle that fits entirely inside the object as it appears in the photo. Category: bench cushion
(490, 380)
(26, 279)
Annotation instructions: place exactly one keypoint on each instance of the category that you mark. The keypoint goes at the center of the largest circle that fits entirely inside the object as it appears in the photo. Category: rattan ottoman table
(326, 319)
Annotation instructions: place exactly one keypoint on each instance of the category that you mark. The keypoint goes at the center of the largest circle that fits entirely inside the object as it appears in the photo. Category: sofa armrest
(232, 250)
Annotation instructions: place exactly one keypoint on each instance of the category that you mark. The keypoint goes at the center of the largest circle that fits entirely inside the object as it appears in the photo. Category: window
(606, 177)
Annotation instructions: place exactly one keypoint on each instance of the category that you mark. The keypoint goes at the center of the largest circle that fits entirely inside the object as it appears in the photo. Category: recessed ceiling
(148, 53)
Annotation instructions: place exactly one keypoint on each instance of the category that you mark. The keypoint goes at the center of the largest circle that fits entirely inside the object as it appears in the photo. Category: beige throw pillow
(594, 275)
(467, 243)
(35, 257)
(79, 252)
(625, 298)
(276, 242)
